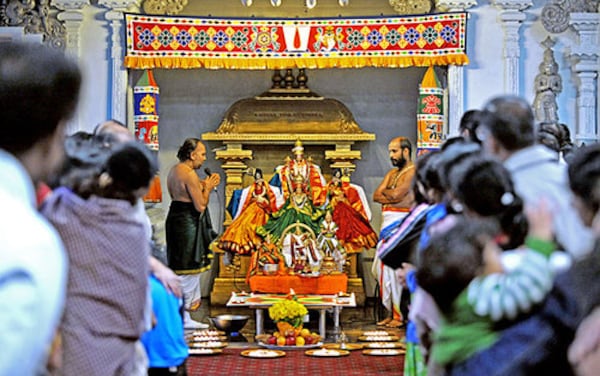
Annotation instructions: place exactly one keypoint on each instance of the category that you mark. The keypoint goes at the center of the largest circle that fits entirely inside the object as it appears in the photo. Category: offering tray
(290, 347)
(205, 351)
(384, 352)
(263, 354)
(327, 353)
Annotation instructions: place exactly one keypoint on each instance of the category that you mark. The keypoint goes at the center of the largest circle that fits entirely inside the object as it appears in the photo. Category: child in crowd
(462, 271)
(165, 344)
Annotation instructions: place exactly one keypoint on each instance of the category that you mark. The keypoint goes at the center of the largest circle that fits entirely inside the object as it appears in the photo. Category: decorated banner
(254, 43)
(145, 118)
(430, 113)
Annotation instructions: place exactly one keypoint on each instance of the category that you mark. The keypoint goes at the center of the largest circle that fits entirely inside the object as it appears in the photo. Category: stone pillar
(511, 17)
(118, 73)
(584, 57)
(456, 73)
(71, 17)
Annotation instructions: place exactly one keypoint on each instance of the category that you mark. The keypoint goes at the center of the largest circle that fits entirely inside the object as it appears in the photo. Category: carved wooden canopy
(287, 112)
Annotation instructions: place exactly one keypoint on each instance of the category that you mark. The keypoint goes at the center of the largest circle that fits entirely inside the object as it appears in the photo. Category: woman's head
(484, 188)
(128, 171)
(584, 180)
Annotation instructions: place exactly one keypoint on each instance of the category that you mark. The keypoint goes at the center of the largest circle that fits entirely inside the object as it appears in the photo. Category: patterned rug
(294, 363)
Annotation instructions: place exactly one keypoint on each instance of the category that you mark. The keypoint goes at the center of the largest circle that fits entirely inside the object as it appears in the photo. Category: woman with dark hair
(483, 188)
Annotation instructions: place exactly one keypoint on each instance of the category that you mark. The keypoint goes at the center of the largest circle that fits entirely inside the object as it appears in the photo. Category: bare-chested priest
(395, 195)
(188, 227)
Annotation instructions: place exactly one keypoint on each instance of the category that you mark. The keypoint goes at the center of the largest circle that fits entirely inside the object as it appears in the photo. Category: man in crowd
(39, 89)
(188, 226)
(395, 196)
(506, 130)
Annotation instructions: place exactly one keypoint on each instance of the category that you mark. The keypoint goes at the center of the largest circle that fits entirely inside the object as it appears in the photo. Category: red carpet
(294, 363)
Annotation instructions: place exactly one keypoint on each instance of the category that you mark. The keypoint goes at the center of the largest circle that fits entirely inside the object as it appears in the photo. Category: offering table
(260, 302)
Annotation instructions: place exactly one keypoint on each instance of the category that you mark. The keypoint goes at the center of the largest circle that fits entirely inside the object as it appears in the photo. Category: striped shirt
(470, 326)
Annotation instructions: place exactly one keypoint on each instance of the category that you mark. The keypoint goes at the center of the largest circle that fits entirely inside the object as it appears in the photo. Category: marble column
(511, 17)
(118, 73)
(456, 73)
(584, 57)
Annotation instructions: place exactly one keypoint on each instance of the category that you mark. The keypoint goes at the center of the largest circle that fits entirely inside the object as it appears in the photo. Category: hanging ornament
(311, 4)
(246, 3)
(275, 3)
(343, 3)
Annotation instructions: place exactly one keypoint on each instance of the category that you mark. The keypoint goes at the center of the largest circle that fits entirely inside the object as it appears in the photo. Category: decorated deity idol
(351, 212)
(257, 203)
(300, 167)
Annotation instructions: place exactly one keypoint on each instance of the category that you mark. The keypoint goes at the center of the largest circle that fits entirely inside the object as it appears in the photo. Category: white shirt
(33, 274)
(536, 173)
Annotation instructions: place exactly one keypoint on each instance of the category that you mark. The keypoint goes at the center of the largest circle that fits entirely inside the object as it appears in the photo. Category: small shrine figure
(300, 250)
(350, 210)
(266, 253)
(330, 246)
(258, 202)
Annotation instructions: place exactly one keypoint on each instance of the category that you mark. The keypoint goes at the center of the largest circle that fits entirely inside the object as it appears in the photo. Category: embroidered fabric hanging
(430, 113)
(145, 98)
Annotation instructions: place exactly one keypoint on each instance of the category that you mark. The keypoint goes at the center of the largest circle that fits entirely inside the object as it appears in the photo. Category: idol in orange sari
(259, 202)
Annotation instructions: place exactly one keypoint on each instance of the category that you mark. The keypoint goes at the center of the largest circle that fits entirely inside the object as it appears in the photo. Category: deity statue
(298, 208)
(300, 168)
(300, 250)
(350, 210)
(548, 84)
(255, 205)
(302, 187)
(329, 243)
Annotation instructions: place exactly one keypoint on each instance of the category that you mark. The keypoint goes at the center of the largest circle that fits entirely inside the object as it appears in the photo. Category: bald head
(116, 129)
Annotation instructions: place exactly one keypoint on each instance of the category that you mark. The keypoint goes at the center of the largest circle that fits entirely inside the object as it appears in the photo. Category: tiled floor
(353, 321)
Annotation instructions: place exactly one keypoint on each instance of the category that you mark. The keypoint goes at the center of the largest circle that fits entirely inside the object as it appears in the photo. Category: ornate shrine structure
(259, 132)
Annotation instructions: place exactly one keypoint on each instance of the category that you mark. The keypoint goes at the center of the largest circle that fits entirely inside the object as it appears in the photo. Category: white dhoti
(390, 289)
(190, 284)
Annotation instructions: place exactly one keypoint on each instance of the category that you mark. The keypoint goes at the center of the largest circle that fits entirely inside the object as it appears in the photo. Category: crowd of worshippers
(503, 273)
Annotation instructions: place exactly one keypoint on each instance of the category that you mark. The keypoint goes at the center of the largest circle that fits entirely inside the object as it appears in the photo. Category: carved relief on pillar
(556, 13)
(166, 7)
(454, 5)
(36, 17)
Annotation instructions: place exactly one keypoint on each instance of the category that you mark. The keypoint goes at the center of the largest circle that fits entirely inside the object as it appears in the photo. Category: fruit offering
(290, 338)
